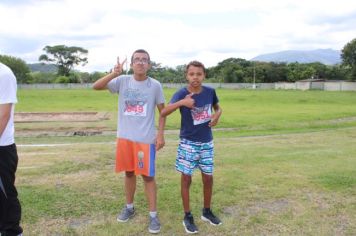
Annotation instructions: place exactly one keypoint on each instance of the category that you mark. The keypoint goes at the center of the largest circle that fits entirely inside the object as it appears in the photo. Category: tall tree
(19, 67)
(65, 57)
(348, 55)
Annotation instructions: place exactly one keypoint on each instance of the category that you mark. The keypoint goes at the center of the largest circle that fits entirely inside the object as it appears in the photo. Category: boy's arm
(5, 112)
(102, 83)
(216, 116)
(188, 101)
(161, 124)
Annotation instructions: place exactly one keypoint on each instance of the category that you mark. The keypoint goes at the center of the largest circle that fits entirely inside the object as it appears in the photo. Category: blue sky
(174, 32)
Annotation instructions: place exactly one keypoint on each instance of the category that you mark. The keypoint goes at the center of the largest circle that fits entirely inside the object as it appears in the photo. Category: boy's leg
(186, 162)
(151, 192)
(125, 162)
(146, 154)
(130, 186)
(10, 207)
(207, 214)
(186, 181)
(206, 165)
(207, 189)
(188, 220)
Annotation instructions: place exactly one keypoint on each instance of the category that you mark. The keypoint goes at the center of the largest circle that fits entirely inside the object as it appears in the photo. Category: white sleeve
(8, 86)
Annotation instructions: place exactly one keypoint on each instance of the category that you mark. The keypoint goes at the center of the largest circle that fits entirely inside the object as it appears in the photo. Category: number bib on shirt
(201, 115)
(135, 108)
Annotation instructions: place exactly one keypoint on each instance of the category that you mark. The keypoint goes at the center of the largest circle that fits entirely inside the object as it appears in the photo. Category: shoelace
(209, 212)
(191, 219)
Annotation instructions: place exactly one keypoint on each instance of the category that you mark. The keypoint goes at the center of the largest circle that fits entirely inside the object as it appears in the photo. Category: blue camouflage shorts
(191, 155)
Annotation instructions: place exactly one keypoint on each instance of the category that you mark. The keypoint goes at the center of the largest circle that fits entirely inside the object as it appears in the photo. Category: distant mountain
(41, 67)
(325, 56)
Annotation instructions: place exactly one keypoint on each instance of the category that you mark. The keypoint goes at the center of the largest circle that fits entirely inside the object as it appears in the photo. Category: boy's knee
(207, 179)
(129, 174)
(186, 179)
(148, 179)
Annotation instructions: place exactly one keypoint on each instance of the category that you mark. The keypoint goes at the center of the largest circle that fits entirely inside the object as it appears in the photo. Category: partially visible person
(137, 139)
(200, 110)
(10, 208)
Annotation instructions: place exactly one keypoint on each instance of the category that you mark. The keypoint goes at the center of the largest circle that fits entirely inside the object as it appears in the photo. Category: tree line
(231, 70)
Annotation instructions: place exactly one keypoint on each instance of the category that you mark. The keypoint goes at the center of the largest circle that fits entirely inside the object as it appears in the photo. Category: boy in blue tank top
(199, 111)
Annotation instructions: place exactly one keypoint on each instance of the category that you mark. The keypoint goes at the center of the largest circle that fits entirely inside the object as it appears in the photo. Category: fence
(301, 85)
(54, 86)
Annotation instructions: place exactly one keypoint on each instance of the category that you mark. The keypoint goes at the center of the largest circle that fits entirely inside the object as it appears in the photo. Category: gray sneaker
(126, 214)
(154, 226)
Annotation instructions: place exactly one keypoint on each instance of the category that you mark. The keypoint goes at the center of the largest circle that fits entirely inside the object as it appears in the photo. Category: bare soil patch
(36, 124)
(71, 124)
(60, 116)
(275, 207)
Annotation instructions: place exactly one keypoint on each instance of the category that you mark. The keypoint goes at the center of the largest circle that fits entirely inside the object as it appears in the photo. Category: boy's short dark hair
(140, 51)
(196, 64)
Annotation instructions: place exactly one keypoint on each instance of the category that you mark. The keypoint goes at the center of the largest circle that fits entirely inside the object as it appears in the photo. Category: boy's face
(195, 76)
(140, 63)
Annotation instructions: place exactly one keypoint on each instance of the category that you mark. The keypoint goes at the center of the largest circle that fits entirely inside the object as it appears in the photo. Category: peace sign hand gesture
(119, 66)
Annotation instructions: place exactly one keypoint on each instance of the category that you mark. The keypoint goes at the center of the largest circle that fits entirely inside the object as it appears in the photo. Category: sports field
(285, 165)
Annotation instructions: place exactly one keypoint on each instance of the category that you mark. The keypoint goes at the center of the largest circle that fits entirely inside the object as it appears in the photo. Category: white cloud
(174, 32)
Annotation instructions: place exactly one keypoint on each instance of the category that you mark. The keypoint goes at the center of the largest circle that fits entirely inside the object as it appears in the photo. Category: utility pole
(254, 76)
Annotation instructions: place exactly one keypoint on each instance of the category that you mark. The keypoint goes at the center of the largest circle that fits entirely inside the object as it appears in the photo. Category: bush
(42, 78)
(62, 79)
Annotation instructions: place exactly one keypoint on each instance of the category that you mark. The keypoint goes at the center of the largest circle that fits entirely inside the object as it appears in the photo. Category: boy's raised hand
(119, 66)
(188, 101)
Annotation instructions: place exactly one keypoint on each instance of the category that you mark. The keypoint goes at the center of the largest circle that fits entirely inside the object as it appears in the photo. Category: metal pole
(254, 76)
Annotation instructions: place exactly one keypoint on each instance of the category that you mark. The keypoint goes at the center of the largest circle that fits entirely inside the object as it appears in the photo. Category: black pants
(10, 208)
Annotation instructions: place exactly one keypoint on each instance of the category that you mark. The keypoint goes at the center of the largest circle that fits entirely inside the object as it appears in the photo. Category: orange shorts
(134, 156)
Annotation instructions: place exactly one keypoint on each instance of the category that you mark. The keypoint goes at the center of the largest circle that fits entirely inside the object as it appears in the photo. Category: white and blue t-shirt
(136, 107)
(194, 122)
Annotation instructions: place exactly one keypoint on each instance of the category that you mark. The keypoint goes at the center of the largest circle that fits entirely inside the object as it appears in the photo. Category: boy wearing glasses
(137, 138)
(200, 110)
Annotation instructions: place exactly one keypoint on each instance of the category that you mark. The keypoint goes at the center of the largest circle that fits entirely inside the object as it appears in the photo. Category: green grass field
(285, 165)
(250, 112)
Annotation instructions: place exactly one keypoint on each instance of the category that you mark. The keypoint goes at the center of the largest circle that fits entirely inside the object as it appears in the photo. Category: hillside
(325, 56)
(41, 67)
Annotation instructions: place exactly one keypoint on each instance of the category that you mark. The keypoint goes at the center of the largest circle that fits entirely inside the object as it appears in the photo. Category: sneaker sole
(189, 232)
(123, 221)
(154, 231)
(207, 220)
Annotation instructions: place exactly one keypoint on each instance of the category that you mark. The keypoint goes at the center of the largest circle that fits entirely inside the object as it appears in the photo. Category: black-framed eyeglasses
(142, 61)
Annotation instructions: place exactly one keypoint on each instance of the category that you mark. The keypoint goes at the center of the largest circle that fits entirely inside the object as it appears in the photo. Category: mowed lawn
(252, 112)
(285, 165)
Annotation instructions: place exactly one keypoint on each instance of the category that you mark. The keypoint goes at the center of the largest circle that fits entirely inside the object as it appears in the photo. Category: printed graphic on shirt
(135, 103)
(201, 115)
